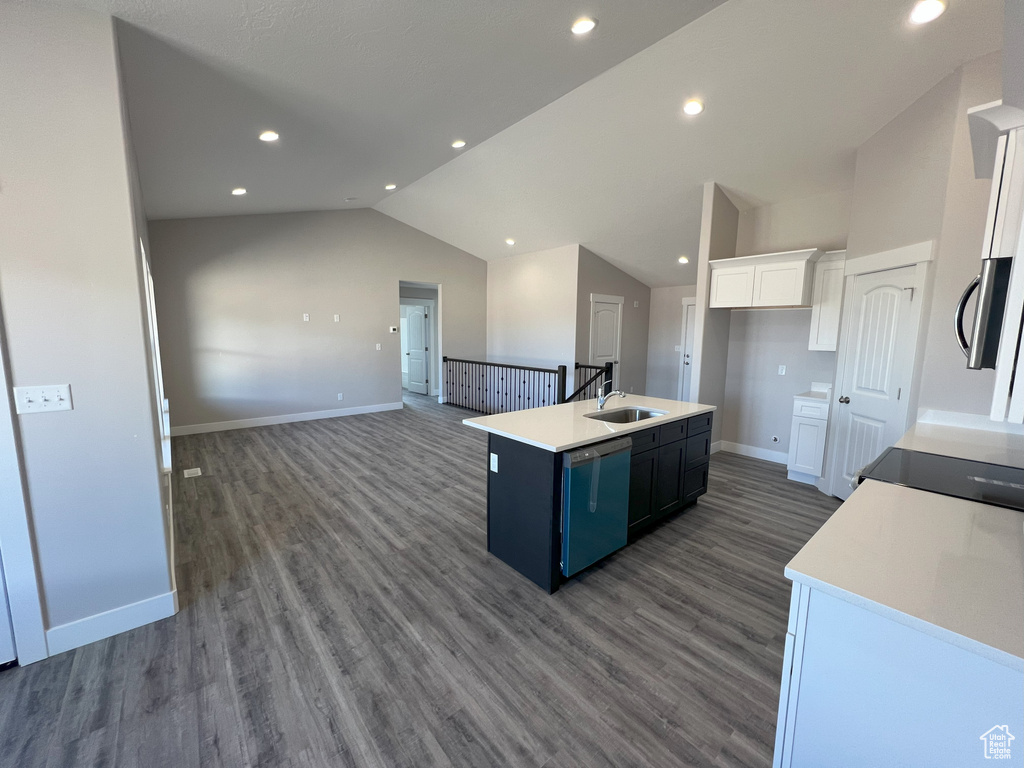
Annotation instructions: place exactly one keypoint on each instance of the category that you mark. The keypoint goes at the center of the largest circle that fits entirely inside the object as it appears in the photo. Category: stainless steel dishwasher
(595, 503)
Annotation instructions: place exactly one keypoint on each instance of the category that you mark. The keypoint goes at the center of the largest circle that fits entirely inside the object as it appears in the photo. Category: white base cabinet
(807, 436)
(860, 689)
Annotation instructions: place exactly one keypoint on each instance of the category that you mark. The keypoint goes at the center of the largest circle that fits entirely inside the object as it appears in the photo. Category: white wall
(759, 402)
(665, 334)
(945, 382)
(598, 276)
(74, 314)
(231, 293)
(531, 308)
(822, 221)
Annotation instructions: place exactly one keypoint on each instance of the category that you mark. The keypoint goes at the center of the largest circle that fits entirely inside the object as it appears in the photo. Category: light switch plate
(782, 370)
(50, 397)
(494, 462)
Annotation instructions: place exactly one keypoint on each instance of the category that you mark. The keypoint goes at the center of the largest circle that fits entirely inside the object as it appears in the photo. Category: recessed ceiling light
(927, 10)
(389, 187)
(269, 136)
(510, 241)
(582, 26)
(458, 144)
(238, 191)
(683, 260)
(693, 106)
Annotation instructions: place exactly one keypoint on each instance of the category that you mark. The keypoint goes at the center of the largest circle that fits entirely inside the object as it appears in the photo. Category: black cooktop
(973, 480)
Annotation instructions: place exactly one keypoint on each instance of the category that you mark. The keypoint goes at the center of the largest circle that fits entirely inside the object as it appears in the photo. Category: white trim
(778, 457)
(903, 256)
(75, 634)
(802, 477)
(288, 418)
(968, 421)
(716, 446)
(24, 593)
(605, 298)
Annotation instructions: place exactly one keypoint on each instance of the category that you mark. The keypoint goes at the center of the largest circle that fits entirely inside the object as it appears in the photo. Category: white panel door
(7, 652)
(416, 353)
(606, 332)
(686, 363)
(879, 344)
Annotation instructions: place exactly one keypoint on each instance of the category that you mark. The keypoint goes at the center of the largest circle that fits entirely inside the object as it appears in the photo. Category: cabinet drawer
(645, 440)
(810, 409)
(672, 432)
(695, 483)
(697, 424)
(698, 450)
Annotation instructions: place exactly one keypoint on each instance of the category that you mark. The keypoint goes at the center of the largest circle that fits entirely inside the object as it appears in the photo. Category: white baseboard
(266, 421)
(113, 622)
(716, 446)
(755, 453)
(802, 477)
(968, 421)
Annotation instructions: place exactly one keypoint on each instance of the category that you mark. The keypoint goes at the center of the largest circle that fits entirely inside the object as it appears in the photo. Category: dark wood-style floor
(339, 609)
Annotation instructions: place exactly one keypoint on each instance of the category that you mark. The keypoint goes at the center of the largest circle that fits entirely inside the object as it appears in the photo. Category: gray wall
(946, 384)
(531, 308)
(759, 402)
(231, 293)
(664, 335)
(598, 276)
(822, 221)
(73, 312)
(719, 221)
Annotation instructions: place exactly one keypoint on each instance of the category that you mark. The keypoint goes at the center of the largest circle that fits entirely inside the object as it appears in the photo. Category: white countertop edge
(621, 429)
(963, 642)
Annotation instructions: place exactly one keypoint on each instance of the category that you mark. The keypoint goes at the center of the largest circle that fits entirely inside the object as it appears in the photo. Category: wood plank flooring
(339, 609)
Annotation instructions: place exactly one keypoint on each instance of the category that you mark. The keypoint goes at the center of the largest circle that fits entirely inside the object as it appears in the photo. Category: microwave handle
(958, 316)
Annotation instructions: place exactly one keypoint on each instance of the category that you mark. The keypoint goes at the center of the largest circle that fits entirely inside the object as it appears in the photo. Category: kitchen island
(905, 643)
(528, 461)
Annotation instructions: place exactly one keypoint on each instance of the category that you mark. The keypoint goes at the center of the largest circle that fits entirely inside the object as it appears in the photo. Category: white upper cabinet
(771, 280)
(827, 301)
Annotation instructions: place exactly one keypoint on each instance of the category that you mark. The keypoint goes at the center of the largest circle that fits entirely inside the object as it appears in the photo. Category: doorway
(418, 329)
(606, 332)
(686, 349)
(875, 368)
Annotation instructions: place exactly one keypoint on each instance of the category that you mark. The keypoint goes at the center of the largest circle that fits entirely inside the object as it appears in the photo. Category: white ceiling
(570, 140)
(792, 87)
(363, 92)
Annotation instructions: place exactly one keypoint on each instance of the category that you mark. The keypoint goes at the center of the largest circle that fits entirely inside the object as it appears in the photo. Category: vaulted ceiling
(569, 139)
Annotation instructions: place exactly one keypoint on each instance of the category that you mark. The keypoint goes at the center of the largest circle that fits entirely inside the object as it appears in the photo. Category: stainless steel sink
(624, 415)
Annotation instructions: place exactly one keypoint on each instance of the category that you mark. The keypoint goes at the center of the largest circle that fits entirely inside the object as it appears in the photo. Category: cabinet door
(668, 495)
(643, 469)
(807, 446)
(826, 302)
(781, 285)
(695, 483)
(731, 286)
(698, 450)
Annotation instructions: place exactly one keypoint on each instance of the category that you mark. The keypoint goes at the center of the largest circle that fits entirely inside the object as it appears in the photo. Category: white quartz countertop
(813, 394)
(961, 443)
(562, 427)
(945, 566)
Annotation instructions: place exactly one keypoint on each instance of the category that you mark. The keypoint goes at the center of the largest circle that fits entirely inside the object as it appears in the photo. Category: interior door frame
(831, 476)
(603, 298)
(433, 365)
(24, 593)
(687, 302)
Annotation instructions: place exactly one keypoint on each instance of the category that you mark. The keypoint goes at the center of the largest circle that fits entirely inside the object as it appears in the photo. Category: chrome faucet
(602, 397)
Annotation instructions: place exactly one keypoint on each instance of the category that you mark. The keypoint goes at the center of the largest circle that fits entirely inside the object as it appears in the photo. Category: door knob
(844, 400)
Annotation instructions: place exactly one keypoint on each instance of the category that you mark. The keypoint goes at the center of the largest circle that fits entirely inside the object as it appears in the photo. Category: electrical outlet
(378, 347)
(305, 318)
(782, 370)
(337, 318)
(196, 472)
(53, 397)
(636, 305)
(341, 396)
(775, 438)
(679, 348)
(494, 462)
(392, 329)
